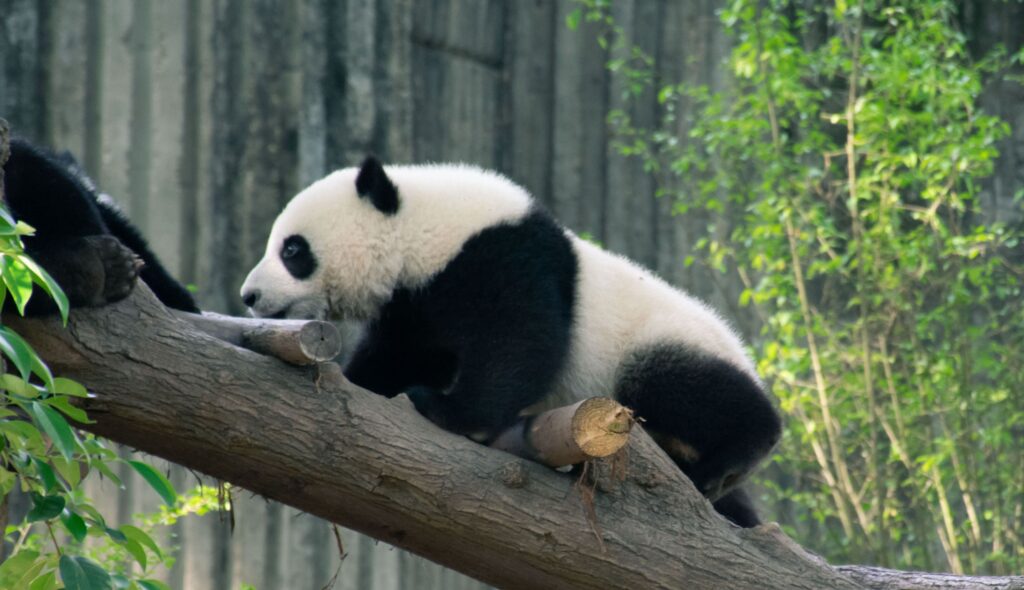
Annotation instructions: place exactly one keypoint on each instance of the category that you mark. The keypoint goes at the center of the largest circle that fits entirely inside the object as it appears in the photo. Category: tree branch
(306, 437)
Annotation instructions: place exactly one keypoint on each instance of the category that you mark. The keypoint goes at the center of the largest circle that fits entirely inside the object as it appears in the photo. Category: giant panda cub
(481, 307)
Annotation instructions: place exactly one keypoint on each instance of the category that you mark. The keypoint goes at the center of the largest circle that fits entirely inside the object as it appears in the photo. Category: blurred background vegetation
(843, 172)
(843, 180)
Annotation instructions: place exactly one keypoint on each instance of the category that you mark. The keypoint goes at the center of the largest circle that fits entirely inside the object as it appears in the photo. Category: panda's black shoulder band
(373, 183)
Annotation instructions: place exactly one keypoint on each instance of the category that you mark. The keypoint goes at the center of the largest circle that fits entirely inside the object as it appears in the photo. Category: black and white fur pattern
(481, 307)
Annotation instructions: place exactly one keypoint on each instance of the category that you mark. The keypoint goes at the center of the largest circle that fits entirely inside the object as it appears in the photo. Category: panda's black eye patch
(297, 257)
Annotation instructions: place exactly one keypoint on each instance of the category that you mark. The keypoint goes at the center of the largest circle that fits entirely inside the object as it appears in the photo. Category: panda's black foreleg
(492, 386)
(713, 419)
(388, 362)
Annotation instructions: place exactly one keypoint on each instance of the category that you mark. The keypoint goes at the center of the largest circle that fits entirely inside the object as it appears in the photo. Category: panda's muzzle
(251, 298)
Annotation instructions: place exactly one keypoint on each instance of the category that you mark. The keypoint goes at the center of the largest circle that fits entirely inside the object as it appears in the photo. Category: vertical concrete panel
(309, 541)
(167, 71)
(194, 142)
(526, 133)
(630, 194)
(457, 75)
(272, 84)
(577, 194)
(66, 76)
(116, 82)
(140, 162)
(249, 540)
(22, 67)
(394, 129)
(93, 124)
(223, 255)
(312, 115)
(360, 66)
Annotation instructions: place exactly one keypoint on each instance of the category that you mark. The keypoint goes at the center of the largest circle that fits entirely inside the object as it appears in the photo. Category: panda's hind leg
(713, 419)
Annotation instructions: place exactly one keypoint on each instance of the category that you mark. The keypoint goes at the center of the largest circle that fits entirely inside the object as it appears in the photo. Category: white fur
(364, 254)
(622, 307)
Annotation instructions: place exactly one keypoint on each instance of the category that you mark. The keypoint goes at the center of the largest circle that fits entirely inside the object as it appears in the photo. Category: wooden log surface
(589, 429)
(299, 342)
(306, 437)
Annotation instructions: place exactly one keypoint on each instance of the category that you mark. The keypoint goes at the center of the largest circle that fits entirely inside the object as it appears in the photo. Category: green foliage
(848, 155)
(63, 539)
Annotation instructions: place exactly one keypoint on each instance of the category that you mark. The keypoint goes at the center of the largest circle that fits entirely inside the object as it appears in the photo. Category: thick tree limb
(306, 437)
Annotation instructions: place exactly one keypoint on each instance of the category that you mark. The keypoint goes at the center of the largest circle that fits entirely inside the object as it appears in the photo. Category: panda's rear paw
(120, 267)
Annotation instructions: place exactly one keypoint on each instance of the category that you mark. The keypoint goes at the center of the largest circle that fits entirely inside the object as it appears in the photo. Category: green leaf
(47, 581)
(39, 369)
(103, 468)
(14, 568)
(16, 349)
(18, 386)
(81, 573)
(44, 507)
(152, 585)
(572, 20)
(116, 535)
(157, 481)
(45, 474)
(18, 281)
(6, 219)
(70, 387)
(64, 405)
(56, 427)
(136, 551)
(140, 537)
(44, 280)
(71, 470)
(75, 525)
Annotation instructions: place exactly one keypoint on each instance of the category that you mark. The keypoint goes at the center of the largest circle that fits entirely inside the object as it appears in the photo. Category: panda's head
(332, 252)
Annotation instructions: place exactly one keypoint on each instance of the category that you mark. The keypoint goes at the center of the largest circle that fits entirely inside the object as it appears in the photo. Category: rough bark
(308, 438)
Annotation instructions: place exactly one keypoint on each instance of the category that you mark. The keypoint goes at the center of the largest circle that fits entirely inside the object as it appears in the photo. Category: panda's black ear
(373, 184)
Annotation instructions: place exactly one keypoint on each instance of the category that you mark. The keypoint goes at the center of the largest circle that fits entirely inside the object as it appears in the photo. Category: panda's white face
(331, 254)
(341, 247)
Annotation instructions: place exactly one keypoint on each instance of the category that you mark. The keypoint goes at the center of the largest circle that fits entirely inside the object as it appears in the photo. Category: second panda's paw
(120, 267)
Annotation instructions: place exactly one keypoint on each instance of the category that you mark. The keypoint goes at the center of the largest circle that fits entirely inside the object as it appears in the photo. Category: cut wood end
(601, 426)
(320, 341)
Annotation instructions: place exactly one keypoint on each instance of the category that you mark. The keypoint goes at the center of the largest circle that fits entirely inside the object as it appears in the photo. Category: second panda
(480, 306)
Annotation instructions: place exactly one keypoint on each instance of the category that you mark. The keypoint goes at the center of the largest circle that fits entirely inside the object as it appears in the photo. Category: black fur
(87, 246)
(738, 507)
(704, 402)
(297, 257)
(486, 337)
(374, 184)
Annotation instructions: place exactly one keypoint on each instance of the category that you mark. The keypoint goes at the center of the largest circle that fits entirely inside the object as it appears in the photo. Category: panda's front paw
(120, 267)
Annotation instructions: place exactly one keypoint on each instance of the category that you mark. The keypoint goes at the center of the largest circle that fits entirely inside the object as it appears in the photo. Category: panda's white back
(620, 308)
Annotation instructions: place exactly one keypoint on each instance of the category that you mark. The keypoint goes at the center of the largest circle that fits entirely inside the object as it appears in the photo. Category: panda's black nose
(250, 298)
